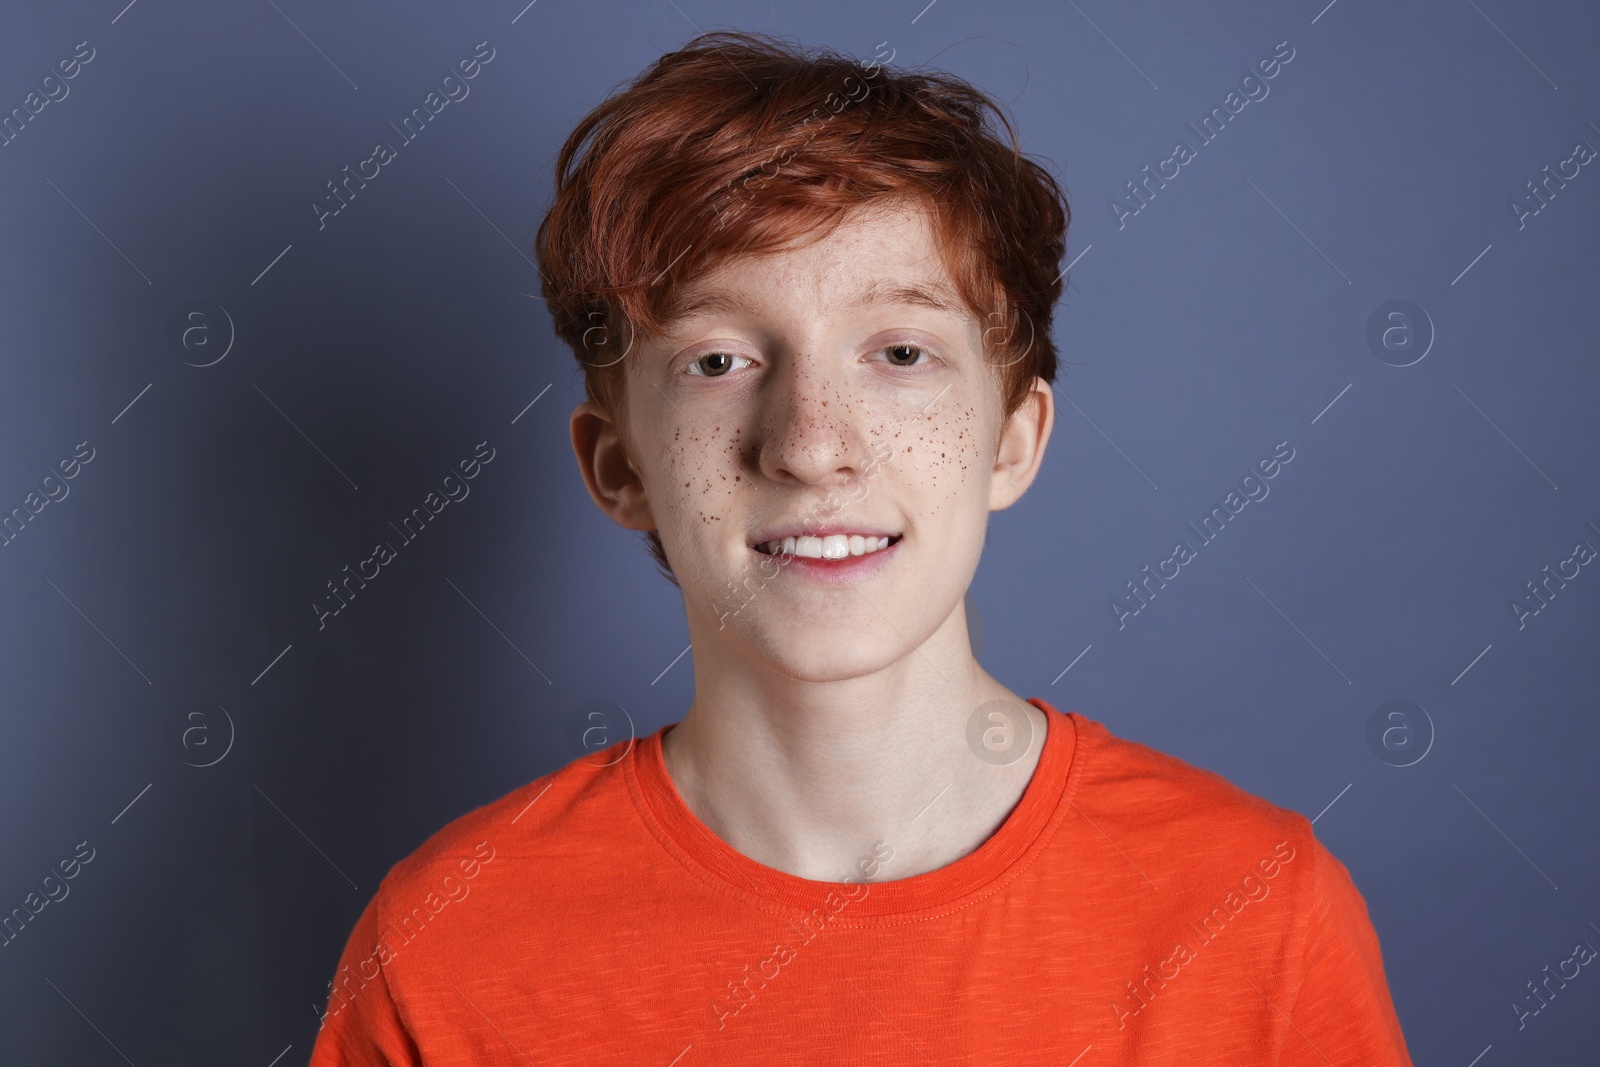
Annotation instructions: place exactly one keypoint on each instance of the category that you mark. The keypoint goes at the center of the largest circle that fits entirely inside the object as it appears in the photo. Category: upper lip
(822, 529)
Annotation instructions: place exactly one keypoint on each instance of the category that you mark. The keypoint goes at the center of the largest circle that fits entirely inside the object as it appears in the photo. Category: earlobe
(1022, 446)
(608, 473)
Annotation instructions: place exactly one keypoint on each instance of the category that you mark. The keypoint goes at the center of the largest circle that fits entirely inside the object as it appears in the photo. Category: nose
(813, 425)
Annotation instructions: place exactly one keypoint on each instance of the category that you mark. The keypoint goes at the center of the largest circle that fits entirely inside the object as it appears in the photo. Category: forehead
(885, 256)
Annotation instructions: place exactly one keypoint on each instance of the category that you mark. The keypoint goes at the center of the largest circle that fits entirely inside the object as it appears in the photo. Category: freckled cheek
(942, 450)
(665, 475)
(688, 478)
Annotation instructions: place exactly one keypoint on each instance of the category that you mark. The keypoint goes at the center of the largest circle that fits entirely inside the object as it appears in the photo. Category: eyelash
(922, 350)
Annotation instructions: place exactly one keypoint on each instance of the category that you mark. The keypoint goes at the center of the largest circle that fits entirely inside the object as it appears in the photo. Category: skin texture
(827, 717)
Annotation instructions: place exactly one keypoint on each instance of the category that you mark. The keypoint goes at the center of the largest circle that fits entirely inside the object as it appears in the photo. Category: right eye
(713, 364)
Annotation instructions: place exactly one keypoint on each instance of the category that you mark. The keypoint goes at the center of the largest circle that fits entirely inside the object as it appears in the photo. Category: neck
(807, 777)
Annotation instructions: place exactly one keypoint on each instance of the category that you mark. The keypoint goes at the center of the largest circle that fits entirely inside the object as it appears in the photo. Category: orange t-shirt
(1131, 909)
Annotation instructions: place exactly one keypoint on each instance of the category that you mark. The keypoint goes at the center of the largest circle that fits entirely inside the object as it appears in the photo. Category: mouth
(828, 547)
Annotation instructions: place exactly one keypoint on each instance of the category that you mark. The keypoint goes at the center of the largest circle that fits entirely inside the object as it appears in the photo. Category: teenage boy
(811, 301)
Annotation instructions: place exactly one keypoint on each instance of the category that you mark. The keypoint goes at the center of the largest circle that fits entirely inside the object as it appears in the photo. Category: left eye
(713, 364)
(904, 355)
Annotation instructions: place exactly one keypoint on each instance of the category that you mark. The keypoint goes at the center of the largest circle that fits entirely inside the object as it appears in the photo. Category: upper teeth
(834, 546)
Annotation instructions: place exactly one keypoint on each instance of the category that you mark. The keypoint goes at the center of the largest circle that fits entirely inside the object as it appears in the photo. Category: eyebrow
(932, 296)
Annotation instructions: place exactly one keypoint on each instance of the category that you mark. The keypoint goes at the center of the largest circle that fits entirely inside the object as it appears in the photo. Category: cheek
(943, 450)
(670, 465)
(692, 477)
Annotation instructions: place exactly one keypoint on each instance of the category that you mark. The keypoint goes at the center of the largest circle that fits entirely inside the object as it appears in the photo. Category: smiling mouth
(832, 546)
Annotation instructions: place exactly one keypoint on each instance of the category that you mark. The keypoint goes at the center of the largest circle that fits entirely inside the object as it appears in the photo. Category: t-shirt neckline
(1007, 852)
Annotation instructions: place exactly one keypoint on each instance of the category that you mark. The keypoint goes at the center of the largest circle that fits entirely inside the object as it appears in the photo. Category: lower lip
(835, 571)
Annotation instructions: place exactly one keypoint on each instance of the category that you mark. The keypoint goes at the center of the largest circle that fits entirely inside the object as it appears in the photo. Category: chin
(834, 661)
(850, 648)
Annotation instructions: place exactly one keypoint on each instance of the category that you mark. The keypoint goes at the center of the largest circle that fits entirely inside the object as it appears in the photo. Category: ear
(1022, 445)
(608, 473)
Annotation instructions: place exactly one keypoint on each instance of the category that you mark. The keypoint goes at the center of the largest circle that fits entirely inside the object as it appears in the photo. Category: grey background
(372, 355)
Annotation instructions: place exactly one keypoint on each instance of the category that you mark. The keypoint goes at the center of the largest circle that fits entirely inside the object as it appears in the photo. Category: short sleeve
(1342, 1013)
(362, 1026)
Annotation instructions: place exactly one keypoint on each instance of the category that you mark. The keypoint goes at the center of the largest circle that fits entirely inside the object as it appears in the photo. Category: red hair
(738, 144)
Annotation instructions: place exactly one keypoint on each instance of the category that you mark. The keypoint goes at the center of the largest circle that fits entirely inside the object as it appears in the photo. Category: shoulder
(1149, 791)
(1237, 880)
(1207, 858)
(1187, 829)
(531, 828)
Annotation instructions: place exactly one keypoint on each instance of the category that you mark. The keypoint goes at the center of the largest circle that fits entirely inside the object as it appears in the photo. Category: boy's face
(805, 391)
